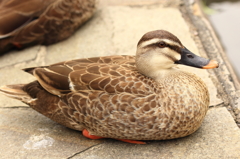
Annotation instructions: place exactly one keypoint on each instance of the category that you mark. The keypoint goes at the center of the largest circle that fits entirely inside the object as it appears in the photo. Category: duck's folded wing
(14, 14)
(54, 79)
(113, 76)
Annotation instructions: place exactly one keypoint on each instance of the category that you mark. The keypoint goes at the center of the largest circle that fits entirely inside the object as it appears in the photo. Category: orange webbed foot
(87, 135)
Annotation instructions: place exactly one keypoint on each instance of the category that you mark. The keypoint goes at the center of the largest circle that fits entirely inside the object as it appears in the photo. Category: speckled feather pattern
(110, 98)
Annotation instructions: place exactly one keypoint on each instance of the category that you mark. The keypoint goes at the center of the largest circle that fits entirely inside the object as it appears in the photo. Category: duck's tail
(16, 92)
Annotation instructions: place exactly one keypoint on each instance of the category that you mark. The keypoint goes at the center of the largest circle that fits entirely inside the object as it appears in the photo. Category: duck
(123, 97)
(32, 22)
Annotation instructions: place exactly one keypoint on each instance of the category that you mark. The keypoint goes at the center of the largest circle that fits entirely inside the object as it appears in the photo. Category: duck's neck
(160, 74)
(154, 67)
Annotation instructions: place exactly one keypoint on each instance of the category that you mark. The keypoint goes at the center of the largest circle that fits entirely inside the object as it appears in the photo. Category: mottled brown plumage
(122, 97)
(30, 22)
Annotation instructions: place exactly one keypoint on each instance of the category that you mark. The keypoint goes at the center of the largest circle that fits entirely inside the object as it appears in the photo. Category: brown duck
(142, 97)
(29, 22)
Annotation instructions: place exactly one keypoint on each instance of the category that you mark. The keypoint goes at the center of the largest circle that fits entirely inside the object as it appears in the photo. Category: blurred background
(225, 18)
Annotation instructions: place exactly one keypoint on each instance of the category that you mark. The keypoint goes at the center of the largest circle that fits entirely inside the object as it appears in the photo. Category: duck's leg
(87, 135)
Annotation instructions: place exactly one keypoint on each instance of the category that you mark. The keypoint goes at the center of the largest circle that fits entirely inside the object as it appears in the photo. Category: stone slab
(15, 57)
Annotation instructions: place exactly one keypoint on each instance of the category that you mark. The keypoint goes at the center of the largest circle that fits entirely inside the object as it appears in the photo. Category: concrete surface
(115, 29)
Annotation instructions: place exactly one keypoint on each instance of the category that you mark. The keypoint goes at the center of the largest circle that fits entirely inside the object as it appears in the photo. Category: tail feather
(16, 92)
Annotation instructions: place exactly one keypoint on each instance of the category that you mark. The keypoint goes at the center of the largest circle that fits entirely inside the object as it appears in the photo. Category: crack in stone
(83, 150)
(217, 105)
(18, 63)
(39, 58)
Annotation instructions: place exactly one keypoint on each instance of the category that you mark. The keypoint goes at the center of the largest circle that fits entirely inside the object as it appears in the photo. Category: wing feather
(110, 74)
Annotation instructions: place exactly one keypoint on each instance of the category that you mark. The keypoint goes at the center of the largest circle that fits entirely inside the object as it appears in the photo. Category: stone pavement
(115, 29)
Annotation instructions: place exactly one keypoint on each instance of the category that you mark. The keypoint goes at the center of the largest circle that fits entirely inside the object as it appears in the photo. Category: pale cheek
(158, 62)
(178, 57)
(156, 59)
(171, 53)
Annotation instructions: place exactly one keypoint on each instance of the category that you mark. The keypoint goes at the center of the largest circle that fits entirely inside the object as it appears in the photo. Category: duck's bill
(190, 59)
(211, 64)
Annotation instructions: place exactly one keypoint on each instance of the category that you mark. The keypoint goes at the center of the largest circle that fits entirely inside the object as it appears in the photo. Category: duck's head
(158, 51)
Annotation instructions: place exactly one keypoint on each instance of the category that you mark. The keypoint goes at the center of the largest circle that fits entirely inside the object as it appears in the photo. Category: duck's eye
(190, 56)
(162, 44)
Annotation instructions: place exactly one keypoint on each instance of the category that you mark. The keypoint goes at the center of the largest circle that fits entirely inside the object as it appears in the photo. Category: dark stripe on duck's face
(170, 57)
(174, 48)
